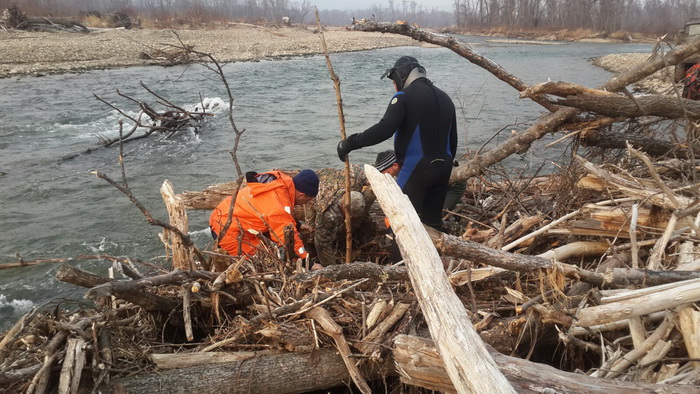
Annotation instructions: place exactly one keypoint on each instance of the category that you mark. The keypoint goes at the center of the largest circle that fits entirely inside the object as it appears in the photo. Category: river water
(53, 207)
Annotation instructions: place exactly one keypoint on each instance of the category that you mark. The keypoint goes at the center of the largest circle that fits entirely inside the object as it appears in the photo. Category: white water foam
(15, 306)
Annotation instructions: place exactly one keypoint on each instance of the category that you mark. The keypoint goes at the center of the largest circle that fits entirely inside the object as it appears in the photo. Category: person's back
(263, 207)
(422, 120)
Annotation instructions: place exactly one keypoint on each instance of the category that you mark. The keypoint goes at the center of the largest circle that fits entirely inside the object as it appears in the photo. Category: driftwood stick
(357, 270)
(371, 341)
(613, 326)
(657, 252)
(324, 319)
(186, 314)
(633, 236)
(449, 324)
(630, 358)
(637, 331)
(40, 379)
(72, 369)
(689, 325)
(341, 120)
(541, 230)
(576, 249)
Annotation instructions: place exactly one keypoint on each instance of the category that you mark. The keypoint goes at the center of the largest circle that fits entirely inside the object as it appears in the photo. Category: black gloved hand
(343, 149)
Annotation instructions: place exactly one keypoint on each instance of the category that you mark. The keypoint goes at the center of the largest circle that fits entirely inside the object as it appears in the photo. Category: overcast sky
(443, 5)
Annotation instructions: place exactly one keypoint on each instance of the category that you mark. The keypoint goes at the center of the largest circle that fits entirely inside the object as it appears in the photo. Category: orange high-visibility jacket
(264, 208)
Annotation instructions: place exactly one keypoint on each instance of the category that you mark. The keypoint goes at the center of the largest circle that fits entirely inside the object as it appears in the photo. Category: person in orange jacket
(265, 206)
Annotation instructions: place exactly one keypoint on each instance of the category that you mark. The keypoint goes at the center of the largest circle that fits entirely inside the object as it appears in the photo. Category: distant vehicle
(690, 31)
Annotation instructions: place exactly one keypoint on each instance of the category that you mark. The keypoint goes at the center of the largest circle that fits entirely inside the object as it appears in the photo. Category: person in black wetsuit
(422, 120)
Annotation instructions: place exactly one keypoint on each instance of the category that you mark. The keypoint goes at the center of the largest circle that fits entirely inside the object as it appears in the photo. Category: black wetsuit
(422, 120)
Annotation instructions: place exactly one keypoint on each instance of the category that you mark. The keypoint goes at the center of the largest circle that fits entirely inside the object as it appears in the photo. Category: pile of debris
(13, 18)
(601, 281)
(585, 280)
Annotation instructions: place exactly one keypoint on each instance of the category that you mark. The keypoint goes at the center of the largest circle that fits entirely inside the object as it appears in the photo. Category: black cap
(385, 160)
(402, 68)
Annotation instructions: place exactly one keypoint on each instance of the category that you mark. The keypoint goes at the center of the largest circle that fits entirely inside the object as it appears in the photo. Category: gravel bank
(39, 53)
(657, 83)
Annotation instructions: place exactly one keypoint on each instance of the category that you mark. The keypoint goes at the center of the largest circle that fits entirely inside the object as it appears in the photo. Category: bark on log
(210, 197)
(420, 365)
(78, 277)
(132, 291)
(354, 271)
(283, 373)
(470, 371)
(622, 277)
(186, 360)
(651, 105)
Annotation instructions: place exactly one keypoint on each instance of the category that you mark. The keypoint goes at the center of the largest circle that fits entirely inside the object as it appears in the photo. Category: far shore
(24, 53)
(41, 53)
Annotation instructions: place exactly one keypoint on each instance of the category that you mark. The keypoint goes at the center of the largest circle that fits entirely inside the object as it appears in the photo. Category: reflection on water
(53, 208)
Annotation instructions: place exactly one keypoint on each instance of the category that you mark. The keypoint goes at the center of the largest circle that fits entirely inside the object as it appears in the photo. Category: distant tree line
(645, 16)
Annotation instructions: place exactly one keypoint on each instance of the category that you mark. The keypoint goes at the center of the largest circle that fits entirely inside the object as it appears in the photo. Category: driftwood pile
(13, 18)
(599, 280)
(585, 280)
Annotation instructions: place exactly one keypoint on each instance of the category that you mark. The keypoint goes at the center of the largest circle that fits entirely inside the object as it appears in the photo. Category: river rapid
(53, 207)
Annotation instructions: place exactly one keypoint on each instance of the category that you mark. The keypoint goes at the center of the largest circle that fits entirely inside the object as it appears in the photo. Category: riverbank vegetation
(542, 17)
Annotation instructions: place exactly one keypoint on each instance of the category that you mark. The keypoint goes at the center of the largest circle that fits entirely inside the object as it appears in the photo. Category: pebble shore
(40, 53)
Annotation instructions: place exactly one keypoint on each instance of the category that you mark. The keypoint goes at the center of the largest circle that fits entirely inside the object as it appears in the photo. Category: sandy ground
(39, 53)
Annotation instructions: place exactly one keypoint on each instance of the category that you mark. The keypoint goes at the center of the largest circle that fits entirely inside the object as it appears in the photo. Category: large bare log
(418, 362)
(282, 373)
(615, 105)
(469, 365)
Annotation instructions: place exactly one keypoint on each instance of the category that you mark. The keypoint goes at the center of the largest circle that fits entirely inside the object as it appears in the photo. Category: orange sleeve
(278, 220)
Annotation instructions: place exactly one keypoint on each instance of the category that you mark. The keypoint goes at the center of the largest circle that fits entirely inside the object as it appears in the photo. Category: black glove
(343, 149)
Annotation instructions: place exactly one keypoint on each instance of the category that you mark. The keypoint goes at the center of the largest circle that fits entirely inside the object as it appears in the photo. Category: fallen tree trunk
(470, 371)
(419, 363)
(615, 105)
(281, 373)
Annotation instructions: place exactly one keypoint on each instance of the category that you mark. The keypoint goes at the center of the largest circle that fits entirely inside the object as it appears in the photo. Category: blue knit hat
(306, 181)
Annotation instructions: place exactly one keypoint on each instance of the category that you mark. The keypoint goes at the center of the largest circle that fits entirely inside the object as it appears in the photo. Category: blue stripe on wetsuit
(414, 153)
